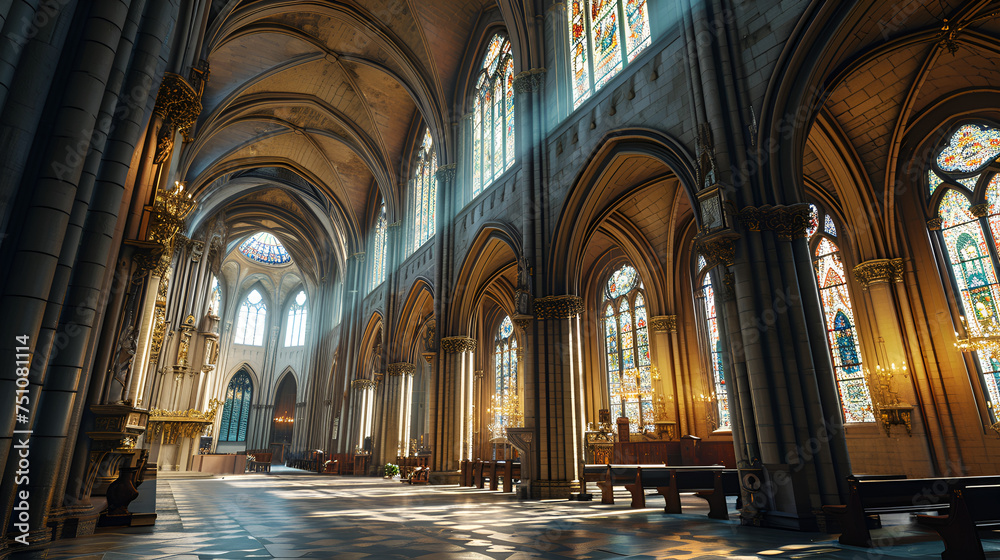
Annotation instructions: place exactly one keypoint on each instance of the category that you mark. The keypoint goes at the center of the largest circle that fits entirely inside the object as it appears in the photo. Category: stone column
(667, 360)
(398, 376)
(452, 416)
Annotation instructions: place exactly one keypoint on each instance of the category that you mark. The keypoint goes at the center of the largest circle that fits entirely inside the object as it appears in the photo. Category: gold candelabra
(505, 409)
(981, 336)
(283, 419)
(887, 407)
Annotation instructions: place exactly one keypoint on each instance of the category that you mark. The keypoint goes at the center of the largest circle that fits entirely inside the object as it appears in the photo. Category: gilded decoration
(788, 222)
(664, 323)
(400, 368)
(178, 104)
(169, 210)
(522, 321)
(980, 210)
(159, 329)
(558, 307)
(457, 344)
(362, 384)
(718, 248)
(529, 81)
(173, 424)
(934, 224)
(879, 271)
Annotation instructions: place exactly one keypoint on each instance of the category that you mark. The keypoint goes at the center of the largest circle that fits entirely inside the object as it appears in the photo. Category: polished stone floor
(288, 514)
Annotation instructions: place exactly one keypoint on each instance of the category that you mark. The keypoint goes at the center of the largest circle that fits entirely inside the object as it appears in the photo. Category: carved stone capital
(558, 307)
(529, 81)
(359, 256)
(522, 321)
(362, 384)
(457, 344)
(788, 222)
(718, 248)
(446, 173)
(934, 224)
(980, 210)
(400, 368)
(177, 103)
(664, 323)
(879, 271)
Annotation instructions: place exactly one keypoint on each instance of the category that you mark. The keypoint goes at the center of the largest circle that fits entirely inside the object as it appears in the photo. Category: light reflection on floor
(284, 515)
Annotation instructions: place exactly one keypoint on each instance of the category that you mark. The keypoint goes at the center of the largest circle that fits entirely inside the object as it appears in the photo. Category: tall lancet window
(493, 115)
(604, 36)
(626, 346)
(236, 410)
(505, 408)
(706, 304)
(295, 330)
(964, 194)
(378, 250)
(252, 321)
(424, 208)
(215, 298)
(838, 313)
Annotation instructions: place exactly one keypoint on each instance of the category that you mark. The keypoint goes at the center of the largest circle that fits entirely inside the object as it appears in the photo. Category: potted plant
(391, 470)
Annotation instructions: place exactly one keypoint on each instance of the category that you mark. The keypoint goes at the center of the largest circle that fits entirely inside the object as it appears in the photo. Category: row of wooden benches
(476, 473)
(710, 483)
(969, 504)
(259, 460)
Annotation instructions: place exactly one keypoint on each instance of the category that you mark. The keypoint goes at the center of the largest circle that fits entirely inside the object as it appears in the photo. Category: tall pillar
(452, 435)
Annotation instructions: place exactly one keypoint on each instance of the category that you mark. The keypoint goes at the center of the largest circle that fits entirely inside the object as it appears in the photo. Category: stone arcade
(491, 242)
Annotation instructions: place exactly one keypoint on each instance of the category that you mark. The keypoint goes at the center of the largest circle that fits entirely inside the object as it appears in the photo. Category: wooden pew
(493, 475)
(420, 475)
(867, 497)
(477, 474)
(511, 471)
(615, 475)
(973, 509)
(261, 460)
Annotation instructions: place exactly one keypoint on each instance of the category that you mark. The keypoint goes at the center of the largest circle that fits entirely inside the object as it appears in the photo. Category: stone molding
(558, 307)
(529, 81)
(446, 173)
(522, 321)
(359, 256)
(879, 271)
(457, 344)
(362, 384)
(400, 368)
(788, 222)
(664, 323)
(718, 248)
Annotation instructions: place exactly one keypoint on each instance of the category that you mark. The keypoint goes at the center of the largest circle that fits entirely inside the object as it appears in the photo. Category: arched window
(506, 409)
(252, 321)
(264, 248)
(215, 298)
(706, 304)
(626, 346)
(842, 336)
(236, 411)
(295, 331)
(493, 116)
(424, 193)
(604, 36)
(964, 189)
(378, 250)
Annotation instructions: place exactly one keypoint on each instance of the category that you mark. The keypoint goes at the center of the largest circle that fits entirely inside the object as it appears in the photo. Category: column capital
(446, 173)
(400, 368)
(558, 307)
(718, 248)
(529, 81)
(664, 323)
(878, 271)
(362, 384)
(359, 256)
(458, 344)
(522, 321)
(788, 222)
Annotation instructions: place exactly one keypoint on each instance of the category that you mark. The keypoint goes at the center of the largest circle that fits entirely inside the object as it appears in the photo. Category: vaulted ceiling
(332, 94)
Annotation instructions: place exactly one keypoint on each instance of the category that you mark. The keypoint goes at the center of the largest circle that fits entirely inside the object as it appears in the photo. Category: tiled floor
(290, 515)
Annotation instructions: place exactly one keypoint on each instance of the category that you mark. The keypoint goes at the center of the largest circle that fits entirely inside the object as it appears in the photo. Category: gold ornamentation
(168, 213)
(159, 329)
(718, 248)
(175, 424)
(529, 81)
(788, 222)
(558, 307)
(458, 344)
(522, 321)
(934, 224)
(362, 384)
(878, 271)
(178, 104)
(664, 323)
(980, 210)
(400, 368)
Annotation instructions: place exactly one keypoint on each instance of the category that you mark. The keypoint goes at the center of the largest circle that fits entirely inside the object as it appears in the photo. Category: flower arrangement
(391, 470)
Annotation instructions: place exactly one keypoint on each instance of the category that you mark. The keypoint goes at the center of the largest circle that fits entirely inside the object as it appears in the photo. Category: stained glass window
(378, 250)
(626, 343)
(265, 248)
(706, 297)
(604, 36)
(493, 119)
(215, 299)
(236, 410)
(252, 320)
(295, 330)
(424, 189)
(973, 258)
(933, 182)
(813, 220)
(842, 335)
(505, 407)
(829, 227)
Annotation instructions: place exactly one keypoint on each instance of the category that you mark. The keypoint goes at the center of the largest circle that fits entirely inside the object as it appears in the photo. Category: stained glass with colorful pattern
(505, 368)
(621, 282)
(970, 148)
(701, 263)
(265, 248)
(714, 341)
(829, 227)
(969, 182)
(933, 182)
(626, 343)
(493, 128)
(424, 193)
(601, 44)
(842, 336)
(236, 410)
(813, 221)
(378, 250)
